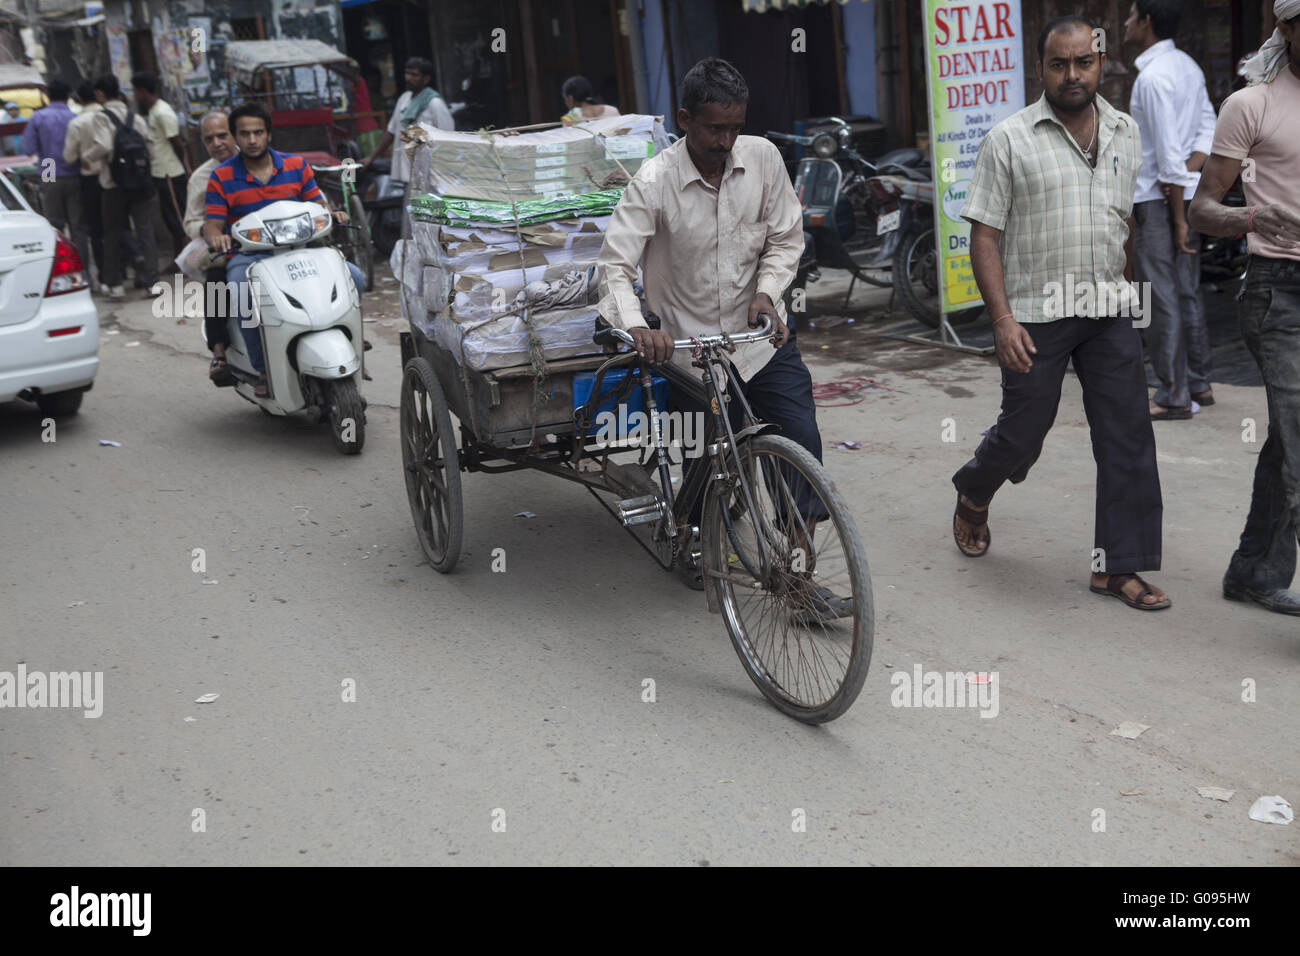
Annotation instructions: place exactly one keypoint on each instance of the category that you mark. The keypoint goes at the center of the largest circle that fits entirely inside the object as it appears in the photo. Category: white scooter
(307, 312)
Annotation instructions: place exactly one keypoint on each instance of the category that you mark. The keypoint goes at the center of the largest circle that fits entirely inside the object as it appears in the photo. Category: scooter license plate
(888, 221)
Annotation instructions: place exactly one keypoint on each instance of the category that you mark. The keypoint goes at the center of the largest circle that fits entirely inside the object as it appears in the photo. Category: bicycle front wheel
(790, 573)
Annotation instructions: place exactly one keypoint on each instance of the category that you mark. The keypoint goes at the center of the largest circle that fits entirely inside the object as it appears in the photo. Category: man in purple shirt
(60, 180)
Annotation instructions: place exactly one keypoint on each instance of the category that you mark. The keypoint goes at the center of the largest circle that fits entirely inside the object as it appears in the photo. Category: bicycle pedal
(639, 510)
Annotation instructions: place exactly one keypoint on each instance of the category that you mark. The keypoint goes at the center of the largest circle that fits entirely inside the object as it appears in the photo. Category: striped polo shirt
(234, 193)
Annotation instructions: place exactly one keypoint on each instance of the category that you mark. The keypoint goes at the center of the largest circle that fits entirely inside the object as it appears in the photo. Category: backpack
(129, 165)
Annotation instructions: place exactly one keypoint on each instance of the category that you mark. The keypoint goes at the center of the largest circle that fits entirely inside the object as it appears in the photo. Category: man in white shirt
(214, 130)
(715, 227)
(80, 135)
(170, 164)
(1173, 113)
(419, 104)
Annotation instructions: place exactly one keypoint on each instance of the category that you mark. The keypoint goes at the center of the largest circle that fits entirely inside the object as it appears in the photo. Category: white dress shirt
(1174, 115)
(704, 253)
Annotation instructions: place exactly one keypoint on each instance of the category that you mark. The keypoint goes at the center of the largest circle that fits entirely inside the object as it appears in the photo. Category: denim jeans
(1269, 315)
(237, 276)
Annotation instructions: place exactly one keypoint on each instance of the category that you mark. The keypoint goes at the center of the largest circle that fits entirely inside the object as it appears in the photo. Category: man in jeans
(1258, 136)
(1173, 112)
(44, 137)
(119, 204)
(254, 177)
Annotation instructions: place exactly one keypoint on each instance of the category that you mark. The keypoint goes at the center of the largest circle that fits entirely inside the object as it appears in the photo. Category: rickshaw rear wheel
(431, 464)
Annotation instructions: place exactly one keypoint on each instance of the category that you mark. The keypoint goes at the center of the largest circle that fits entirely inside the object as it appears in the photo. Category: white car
(49, 329)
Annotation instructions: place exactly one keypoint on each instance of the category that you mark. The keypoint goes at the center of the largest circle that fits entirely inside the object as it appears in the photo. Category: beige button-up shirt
(1064, 223)
(80, 135)
(103, 133)
(704, 253)
(196, 192)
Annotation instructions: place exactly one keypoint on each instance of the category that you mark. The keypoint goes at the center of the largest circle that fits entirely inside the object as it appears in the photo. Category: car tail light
(68, 274)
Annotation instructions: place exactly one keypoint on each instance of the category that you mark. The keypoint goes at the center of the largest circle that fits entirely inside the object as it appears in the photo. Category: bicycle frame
(722, 442)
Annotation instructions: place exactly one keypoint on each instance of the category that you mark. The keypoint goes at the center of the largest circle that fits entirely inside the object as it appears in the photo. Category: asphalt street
(516, 698)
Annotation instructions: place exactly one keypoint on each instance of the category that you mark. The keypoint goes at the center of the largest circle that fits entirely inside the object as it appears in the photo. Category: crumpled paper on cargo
(564, 293)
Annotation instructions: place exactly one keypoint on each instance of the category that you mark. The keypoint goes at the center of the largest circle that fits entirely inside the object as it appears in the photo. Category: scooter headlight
(825, 145)
(288, 232)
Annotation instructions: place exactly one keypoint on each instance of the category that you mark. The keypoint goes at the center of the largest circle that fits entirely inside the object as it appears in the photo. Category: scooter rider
(257, 176)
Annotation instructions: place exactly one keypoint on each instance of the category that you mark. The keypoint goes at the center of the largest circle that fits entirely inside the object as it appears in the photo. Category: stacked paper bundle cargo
(502, 251)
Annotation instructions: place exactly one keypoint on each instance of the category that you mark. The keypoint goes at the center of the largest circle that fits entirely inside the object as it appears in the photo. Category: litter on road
(1216, 793)
(1129, 730)
(206, 698)
(114, 444)
(1271, 810)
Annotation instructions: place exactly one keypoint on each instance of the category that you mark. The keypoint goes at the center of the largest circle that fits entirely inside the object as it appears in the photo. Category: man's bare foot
(973, 538)
(1132, 588)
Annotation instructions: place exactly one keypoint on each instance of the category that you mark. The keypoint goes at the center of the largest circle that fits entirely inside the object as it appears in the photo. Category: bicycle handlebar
(741, 338)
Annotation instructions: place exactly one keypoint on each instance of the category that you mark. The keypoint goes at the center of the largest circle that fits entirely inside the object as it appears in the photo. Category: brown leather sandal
(976, 519)
(1115, 588)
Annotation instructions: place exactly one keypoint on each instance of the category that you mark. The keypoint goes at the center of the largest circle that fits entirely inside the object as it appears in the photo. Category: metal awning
(245, 58)
(762, 6)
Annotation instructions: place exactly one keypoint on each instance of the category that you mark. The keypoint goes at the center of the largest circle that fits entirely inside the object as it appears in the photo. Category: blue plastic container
(583, 382)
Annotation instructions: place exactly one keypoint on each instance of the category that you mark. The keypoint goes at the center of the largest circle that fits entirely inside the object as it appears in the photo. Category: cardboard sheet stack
(504, 239)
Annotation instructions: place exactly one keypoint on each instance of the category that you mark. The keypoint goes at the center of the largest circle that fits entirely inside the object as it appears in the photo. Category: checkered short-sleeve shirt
(1064, 223)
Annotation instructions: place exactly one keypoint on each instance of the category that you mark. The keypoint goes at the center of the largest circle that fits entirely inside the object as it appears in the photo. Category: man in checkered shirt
(1050, 211)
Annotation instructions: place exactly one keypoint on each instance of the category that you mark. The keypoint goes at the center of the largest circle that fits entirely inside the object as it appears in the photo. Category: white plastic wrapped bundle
(503, 342)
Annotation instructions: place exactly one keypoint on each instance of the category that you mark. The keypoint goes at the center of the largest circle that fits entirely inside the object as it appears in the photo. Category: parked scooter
(307, 312)
(843, 223)
(383, 198)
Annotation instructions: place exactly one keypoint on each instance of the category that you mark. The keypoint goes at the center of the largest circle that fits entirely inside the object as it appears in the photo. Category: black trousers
(215, 327)
(92, 217)
(1269, 315)
(1107, 356)
(172, 198)
(780, 393)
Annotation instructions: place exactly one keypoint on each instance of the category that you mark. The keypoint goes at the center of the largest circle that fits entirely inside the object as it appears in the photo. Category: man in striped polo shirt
(255, 177)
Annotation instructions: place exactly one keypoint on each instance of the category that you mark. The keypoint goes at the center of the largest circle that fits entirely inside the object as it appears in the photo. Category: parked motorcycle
(906, 206)
(383, 197)
(843, 225)
(308, 314)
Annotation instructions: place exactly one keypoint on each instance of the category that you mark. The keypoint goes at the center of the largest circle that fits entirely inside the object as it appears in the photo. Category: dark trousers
(780, 393)
(1107, 356)
(172, 198)
(216, 328)
(118, 206)
(1177, 339)
(1269, 315)
(92, 218)
(61, 202)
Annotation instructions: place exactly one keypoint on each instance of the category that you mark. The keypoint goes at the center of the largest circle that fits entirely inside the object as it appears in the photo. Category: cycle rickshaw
(776, 547)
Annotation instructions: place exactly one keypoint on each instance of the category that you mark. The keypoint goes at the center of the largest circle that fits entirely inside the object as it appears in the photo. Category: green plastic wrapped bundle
(454, 211)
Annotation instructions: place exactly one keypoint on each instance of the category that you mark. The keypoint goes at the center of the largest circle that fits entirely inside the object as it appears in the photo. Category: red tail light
(68, 274)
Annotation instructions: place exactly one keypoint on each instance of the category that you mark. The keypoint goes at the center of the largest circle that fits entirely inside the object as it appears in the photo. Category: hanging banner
(976, 78)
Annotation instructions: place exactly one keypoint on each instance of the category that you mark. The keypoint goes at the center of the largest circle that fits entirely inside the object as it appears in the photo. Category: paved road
(521, 692)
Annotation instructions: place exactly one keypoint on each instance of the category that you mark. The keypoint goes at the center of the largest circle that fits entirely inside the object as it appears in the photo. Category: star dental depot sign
(976, 78)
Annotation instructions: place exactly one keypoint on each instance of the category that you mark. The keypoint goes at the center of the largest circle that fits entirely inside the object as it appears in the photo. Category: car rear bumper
(31, 359)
